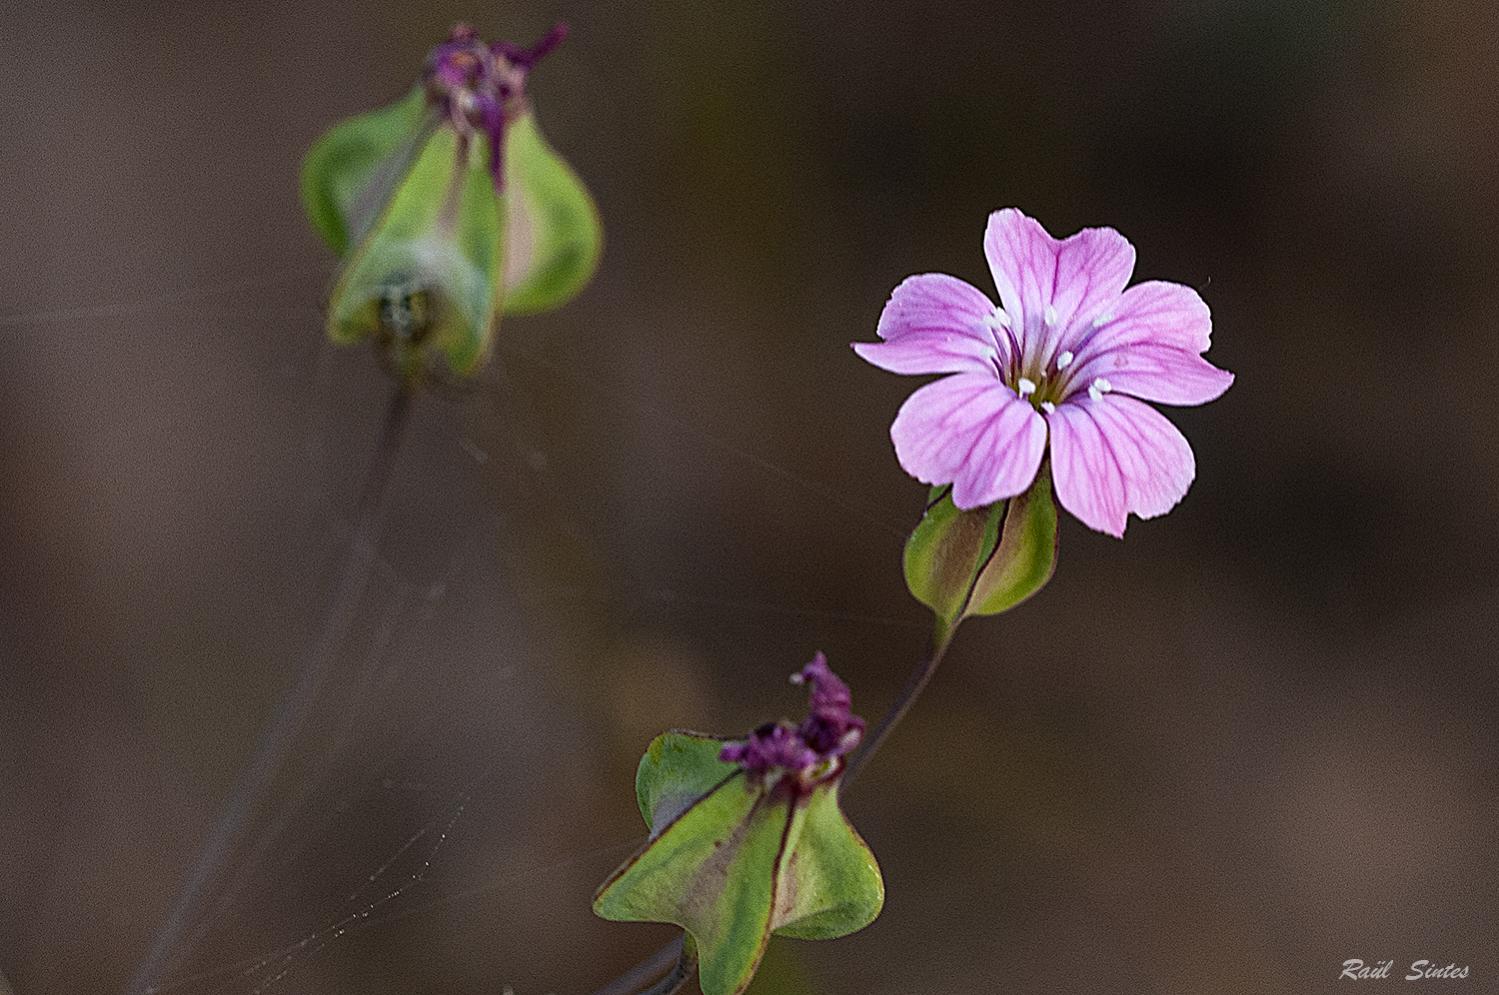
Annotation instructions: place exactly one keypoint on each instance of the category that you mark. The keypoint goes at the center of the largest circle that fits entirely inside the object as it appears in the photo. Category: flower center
(1033, 374)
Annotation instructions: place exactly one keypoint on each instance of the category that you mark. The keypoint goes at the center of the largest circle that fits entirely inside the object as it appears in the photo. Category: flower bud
(449, 209)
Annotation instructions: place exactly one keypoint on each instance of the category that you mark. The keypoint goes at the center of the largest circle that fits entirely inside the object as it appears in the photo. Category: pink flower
(1070, 355)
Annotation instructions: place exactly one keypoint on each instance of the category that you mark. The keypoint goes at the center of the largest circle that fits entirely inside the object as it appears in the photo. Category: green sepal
(425, 281)
(739, 862)
(553, 229)
(350, 172)
(678, 768)
(981, 561)
(1027, 553)
(832, 885)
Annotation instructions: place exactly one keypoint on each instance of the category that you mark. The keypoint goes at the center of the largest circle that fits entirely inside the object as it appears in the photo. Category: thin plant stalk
(287, 722)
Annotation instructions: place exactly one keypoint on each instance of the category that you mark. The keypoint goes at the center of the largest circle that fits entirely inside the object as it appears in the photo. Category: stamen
(1064, 361)
(1048, 407)
(1099, 387)
(1050, 317)
(999, 319)
(1025, 387)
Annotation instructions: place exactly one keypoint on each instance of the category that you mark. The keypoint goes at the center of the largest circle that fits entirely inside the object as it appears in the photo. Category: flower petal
(1113, 455)
(934, 323)
(1069, 281)
(1155, 373)
(1154, 312)
(973, 432)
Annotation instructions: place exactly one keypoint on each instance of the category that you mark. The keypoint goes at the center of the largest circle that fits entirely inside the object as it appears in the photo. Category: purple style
(480, 87)
(811, 752)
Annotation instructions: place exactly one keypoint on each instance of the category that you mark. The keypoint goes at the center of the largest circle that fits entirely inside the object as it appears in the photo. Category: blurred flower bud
(449, 209)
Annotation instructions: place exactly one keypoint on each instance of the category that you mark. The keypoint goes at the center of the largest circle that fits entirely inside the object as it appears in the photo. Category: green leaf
(678, 768)
(350, 172)
(712, 871)
(425, 280)
(832, 885)
(552, 226)
(1027, 553)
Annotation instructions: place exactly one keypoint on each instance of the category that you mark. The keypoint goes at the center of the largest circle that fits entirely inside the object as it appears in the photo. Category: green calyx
(982, 561)
(733, 862)
(434, 250)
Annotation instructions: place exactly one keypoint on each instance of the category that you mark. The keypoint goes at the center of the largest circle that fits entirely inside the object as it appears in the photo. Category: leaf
(832, 885)
(350, 172)
(425, 281)
(712, 871)
(553, 226)
(1027, 553)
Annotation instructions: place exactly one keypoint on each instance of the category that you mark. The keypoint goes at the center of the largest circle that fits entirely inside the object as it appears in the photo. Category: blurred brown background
(1251, 741)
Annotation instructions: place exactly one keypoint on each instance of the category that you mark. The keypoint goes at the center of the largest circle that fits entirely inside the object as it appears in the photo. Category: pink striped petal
(973, 432)
(1154, 313)
(1075, 278)
(1114, 455)
(934, 323)
(1154, 373)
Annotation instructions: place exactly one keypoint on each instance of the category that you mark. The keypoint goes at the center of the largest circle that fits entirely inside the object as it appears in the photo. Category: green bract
(983, 561)
(433, 251)
(733, 862)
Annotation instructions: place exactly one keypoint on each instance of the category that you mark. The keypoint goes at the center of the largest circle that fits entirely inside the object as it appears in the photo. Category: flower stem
(281, 731)
(679, 975)
(915, 684)
(674, 953)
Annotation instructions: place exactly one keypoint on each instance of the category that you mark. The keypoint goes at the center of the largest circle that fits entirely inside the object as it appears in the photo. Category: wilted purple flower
(1070, 353)
(480, 87)
(807, 751)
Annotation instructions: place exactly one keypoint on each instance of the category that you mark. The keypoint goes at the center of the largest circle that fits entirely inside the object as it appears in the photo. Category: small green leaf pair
(983, 561)
(441, 231)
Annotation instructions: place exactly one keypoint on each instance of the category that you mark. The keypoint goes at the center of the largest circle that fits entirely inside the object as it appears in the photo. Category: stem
(291, 713)
(915, 684)
(680, 974)
(629, 983)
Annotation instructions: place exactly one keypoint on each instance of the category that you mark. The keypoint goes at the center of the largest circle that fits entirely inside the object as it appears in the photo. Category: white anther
(999, 319)
(1064, 361)
(1103, 384)
(1095, 393)
(1025, 387)
(1050, 317)
(1048, 407)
